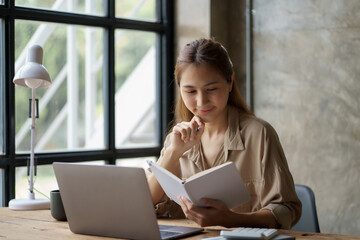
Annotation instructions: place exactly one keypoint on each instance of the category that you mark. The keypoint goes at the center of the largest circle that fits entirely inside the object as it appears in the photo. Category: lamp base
(29, 204)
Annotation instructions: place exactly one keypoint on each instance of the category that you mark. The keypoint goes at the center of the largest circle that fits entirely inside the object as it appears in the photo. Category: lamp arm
(32, 75)
(32, 146)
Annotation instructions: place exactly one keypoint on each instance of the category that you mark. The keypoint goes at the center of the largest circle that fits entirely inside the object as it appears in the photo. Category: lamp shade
(33, 74)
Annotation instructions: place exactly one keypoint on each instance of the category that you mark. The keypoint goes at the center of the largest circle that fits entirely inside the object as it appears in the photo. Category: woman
(213, 126)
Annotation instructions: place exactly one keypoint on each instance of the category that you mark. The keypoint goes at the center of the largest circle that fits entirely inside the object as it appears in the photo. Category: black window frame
(164, 83)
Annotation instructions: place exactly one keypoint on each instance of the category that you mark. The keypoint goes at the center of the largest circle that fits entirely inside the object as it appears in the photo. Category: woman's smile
(205, 111)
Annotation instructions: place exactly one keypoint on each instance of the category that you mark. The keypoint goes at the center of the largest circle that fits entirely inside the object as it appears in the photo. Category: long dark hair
(211, 53)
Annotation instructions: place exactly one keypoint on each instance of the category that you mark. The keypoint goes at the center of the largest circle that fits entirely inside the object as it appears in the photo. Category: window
(72, 109)
(92, 7)
(135, 162)
(135, 57)
(45, 180)
(110, 64)
(136, 9)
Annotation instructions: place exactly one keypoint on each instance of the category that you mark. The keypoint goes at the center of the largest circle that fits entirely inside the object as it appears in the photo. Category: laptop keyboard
(164, 227)
(167, 234)
(172, 232)
(165, 231)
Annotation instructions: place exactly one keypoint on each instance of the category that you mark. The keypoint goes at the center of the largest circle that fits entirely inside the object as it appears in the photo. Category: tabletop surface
(40, 225)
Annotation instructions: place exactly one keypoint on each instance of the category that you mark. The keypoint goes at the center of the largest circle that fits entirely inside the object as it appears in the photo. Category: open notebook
(111, 201)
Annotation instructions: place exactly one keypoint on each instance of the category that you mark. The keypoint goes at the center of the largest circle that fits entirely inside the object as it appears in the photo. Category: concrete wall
(192, 21)
(307, 85)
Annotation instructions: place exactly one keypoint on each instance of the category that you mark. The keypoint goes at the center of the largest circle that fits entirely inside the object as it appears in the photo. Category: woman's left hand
(215, 212)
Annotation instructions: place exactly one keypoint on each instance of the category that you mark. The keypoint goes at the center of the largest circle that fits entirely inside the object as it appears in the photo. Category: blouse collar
(232, 139)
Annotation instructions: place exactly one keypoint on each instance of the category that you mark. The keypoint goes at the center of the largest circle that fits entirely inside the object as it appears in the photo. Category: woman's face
(205, 92)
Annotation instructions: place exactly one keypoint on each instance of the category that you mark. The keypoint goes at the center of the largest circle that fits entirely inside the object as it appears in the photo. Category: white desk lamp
(32, 75)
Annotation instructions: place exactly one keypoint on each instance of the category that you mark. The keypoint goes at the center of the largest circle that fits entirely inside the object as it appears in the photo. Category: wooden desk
(40, 225)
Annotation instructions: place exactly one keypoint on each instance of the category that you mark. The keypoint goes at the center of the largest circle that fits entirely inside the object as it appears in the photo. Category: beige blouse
(254, 147)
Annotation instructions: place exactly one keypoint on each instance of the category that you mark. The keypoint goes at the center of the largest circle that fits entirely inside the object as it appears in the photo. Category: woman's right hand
(183, 137)
(186, 134)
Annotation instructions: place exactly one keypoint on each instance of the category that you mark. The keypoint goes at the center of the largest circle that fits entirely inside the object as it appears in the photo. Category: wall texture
(307, 85)
(192, 21)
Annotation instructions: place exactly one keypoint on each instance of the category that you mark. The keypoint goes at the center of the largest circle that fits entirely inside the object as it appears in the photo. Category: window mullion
(167, 46)
(9, 108)
(109, 93)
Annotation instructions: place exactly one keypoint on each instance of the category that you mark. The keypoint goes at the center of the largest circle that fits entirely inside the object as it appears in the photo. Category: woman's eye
(212, 89)
(191, 91)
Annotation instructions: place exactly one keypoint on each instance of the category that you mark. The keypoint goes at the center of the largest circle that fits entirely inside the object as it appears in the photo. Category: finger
(177, 130)
(197, 127)
(181, 130)
(191, 211)
(186, 130)
(186, 206)
(183, 205)
(194, 130)
(213, 203)
(198, 121)
(200, 130)
(187, 203)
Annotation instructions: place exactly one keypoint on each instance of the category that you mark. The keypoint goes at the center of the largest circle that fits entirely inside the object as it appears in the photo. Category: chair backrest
(309, 220)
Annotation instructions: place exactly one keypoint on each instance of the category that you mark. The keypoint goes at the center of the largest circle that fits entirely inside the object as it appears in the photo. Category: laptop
(111, 201)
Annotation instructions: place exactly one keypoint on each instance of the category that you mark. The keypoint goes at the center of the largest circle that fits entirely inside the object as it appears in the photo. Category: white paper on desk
(222, 183)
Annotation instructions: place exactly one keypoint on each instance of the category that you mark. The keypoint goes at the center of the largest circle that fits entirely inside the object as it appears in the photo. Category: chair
(309, 220)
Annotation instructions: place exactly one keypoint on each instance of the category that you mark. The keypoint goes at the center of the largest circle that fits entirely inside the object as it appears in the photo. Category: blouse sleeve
(166, 207)
(278, 193)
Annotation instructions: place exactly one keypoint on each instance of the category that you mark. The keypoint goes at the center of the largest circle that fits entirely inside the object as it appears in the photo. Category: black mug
(56, 206)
